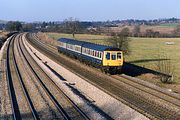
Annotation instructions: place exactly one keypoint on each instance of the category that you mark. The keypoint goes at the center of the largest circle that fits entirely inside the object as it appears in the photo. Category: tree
(177, 31)
(137, 31)
(72, 25)
(149, 33)
(44, 24)
(125, 32)
(28, 27)
(13, 26)
(120, 41)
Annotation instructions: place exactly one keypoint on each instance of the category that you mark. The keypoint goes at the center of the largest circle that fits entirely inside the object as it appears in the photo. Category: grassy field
(163, 28)
(170, 25)
(77, 36)
(144, 51)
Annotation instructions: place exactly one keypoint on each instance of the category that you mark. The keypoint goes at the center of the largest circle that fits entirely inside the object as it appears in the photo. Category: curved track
(15, 106)
(58, 98)
(122, 91)
(75, 110)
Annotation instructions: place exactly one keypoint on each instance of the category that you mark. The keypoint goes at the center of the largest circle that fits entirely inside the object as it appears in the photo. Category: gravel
(93, 101)
(43, 105)
(5, 103)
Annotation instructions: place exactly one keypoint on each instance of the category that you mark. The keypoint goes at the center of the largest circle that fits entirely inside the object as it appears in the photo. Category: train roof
(89, 45)
(97, 46)
(71, 41)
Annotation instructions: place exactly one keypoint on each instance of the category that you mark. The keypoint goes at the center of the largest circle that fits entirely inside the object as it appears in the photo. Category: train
(109, 59)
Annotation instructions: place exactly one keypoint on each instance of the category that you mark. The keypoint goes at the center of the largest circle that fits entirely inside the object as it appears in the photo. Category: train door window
(97, 54)
(118, 56)
(107, 55)
(100, 54)
(113, 56)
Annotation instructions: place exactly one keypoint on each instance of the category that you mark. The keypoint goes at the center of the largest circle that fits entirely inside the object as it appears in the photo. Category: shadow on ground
(147, 60)
(134, 70)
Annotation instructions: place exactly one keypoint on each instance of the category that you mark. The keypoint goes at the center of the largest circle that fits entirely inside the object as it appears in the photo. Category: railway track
(12, 66)
(113, 87)
(62, 101)
(161, 94)
(134, 80)
(21, 70)
(35, 87)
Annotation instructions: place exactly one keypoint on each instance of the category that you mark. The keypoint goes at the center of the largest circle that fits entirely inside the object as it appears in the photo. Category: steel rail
(66, 96)
(59, 107)
(13, 99)
(25, 91)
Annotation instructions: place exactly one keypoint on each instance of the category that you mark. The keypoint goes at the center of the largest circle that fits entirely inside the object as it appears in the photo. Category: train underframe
(112, 69)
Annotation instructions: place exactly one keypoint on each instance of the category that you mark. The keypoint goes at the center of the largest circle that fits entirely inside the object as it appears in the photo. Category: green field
(170, 25)
(77, 36)
(144, 51)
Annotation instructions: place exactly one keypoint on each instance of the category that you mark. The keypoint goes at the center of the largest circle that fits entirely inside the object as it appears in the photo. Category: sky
(88, 10)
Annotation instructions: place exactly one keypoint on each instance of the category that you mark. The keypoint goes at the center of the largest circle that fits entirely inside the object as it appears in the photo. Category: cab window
(107, 56)
(118, 56)
(113, 56)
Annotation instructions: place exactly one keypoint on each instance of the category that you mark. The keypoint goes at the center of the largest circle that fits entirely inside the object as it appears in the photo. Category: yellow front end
(113, 58)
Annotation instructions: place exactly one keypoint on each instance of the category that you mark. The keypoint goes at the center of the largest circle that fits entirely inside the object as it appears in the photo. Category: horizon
(89, 10)
(94, 21)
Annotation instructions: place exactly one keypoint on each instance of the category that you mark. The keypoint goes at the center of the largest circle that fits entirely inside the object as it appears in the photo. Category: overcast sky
(87, 10)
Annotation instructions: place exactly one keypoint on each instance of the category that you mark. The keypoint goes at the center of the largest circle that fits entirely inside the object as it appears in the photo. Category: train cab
(112, 59)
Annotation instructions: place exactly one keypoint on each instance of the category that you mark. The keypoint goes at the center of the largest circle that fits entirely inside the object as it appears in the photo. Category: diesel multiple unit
(108, 58)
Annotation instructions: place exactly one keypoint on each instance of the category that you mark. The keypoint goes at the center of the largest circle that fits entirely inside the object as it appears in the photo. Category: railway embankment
(91, 99)
(108, 83)
(142, 72)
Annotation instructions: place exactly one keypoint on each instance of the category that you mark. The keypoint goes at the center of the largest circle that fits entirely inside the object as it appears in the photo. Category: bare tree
(165, 66)
(120, 41)
(177, 31)
(72, 25)
(136, 31)
(125, 32)
(149, 33)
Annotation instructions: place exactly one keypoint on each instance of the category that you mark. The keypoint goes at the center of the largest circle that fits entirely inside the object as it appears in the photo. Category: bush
(165, 66)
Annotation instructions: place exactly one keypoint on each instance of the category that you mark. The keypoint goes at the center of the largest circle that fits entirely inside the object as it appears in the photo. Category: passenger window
(107, 56)
(113, 56)
(118, 56)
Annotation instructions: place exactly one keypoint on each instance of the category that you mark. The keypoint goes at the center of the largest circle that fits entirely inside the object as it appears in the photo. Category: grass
(144, 51)
(170, 25)
(77, 36)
